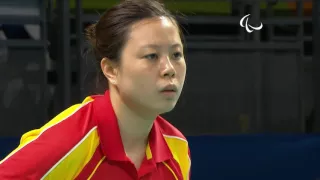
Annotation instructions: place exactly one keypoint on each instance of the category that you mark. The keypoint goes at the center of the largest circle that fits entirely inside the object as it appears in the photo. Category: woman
(118, 135)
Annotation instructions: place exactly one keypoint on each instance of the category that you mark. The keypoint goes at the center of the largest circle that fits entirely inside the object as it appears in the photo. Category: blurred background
(251, 102)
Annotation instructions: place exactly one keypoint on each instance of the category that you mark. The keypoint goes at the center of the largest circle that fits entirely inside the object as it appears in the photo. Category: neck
(134, 126)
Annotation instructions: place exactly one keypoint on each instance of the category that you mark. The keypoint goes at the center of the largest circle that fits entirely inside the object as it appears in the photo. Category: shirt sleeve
(189, 154)
(41, 150)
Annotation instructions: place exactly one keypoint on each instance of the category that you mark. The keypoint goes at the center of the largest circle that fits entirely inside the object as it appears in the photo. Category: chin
(166, 108)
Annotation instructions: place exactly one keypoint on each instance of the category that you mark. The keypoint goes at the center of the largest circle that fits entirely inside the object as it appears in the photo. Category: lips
(170, 88)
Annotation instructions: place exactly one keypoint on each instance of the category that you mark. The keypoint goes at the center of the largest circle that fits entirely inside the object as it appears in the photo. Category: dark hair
(108, 36)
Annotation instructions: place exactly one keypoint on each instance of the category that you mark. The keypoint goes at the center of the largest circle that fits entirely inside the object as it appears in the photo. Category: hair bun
(90, 33)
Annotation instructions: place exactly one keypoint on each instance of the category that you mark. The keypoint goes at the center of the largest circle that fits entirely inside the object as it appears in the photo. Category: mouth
(170, 89)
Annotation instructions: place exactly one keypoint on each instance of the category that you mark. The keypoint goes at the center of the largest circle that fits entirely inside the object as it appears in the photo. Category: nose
(168, 69)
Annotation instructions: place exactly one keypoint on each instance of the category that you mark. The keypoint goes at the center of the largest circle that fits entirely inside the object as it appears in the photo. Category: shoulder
(170, 131)
(74, 122)
(178, 145)
(43, 152)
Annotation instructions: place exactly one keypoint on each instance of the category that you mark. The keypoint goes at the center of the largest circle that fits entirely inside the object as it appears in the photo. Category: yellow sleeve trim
(75, 160)
(179, 149)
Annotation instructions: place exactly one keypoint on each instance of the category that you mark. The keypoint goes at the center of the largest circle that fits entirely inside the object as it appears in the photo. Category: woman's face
(152, 69)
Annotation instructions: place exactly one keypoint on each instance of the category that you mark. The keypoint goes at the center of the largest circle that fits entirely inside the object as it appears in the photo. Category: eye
(177, 55)
(151, 56)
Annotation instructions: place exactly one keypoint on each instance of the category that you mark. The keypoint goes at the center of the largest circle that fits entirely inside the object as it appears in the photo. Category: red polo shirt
(83, 142)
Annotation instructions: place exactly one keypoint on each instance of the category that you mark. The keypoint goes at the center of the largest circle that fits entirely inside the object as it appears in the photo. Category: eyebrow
(157, 46)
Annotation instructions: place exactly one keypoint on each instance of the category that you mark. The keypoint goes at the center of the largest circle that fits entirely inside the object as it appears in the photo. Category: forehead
(158, 30)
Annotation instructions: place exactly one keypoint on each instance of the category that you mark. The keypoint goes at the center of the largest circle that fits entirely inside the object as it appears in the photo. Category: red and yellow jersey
(83, 142)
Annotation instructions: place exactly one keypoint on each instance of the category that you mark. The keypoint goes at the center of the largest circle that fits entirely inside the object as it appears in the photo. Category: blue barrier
(248, 157)
(256, 157)
(7, 144)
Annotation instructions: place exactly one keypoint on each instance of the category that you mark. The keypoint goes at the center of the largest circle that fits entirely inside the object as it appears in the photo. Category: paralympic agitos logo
(249, 28)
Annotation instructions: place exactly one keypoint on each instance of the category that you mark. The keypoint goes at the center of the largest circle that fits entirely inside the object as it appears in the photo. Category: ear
(109, 70)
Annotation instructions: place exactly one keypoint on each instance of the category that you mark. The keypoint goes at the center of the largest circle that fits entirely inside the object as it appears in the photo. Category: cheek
(181, 69)
(135, 77)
